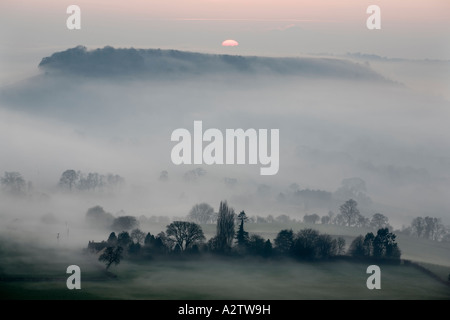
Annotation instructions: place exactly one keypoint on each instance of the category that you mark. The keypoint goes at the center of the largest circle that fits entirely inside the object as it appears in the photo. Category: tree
(149, 239)
(242, 235)
(167, 242)
(194, 174)
(418, 226)
(225, 227)
(91, 181)
(428, 228)
(340, 242)
(305, 244)
(201, 213)
(368, 244)
(13, 182)
(354, 188)
(260, 219)
(124, 239)
(349, 212)
(325, 220)
(267, 251)
(177, 249)
(242, 217)
(379, 221)
(111, 255)
(185, 233)
(114, 181)
(213, 245)
(112, 239)
(68, 179)
(312, 218)
(134, 248)
(357, 247)
(98, 217)
(137, 235)
(362, 222)
(283, 218)
(125, 223)
(434, 229)
(381, 246)
(325, 246)
(155, 244)
(284, 241)
(384, 245)
(256, 244)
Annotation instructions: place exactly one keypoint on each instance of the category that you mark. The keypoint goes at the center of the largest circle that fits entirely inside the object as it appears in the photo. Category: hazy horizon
(364, 128)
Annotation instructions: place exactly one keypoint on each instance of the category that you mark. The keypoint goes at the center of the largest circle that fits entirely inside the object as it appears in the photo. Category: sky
(411, 29)
(382, 134)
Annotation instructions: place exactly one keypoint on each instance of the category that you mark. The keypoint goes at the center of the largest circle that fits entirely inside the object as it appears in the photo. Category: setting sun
(230, 43)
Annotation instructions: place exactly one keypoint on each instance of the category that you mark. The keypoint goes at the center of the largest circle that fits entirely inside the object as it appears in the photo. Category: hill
(109, 61)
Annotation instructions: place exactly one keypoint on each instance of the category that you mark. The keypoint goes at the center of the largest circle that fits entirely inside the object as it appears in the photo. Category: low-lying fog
(391, 136)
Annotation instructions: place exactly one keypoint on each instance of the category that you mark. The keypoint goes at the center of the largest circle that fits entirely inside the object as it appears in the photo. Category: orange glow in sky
(285, 27)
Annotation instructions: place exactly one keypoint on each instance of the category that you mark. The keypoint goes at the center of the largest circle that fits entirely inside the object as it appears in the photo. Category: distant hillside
(110, 61)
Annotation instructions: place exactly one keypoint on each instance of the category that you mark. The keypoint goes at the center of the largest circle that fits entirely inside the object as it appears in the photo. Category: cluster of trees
(428, 228)
(351, 188)
(188, 237)
(194, 174)
(350, 216)
(203, 213)
(180, 236)
(98, 217)
(76, 180)
(309, 244)
(13, 183)
(380, 246)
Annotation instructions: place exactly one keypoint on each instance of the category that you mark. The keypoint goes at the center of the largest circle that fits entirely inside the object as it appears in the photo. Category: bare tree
(68, 179)
(340, 242)
(137, 235)
(418, 226)
(185, 233)
(379, 221)
(13, 182)
(434, 229)
(201, 213)
(111, 255)
(325, 246)
(350, 213)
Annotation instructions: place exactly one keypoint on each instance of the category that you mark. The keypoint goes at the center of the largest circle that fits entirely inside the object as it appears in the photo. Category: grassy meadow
(32, 272)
